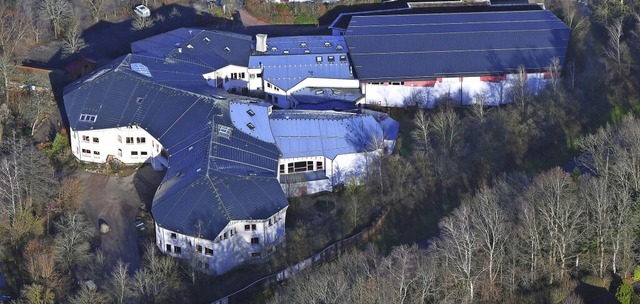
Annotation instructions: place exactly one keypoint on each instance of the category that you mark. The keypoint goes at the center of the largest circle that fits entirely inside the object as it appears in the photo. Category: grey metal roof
(404, 47)
(212, 178)
(306, 133)
(214, 49)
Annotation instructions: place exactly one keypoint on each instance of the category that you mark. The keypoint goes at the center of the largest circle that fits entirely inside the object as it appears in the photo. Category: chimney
(261, 42)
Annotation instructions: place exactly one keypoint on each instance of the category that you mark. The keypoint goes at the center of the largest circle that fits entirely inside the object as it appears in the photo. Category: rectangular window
(177, 249)
(134, 153)
(282, 169)
(242, 75)
(143, 153)
(96, 140)
(268, 85)
(225, 236)
(96, 152)
(255, 254)
(253, 227)
(255, 241)
(331, 59)
(85, 138)
(252, 76)
(199, 248)
(270, 223)
(88, 117)
(343, 58)
(319, 166)
(120, 152)
(208, 251)
(168, 248)
(247, 227)
(86, 151)
(233, 231)
(120, 138)
(141, 140)
(318, 59)
(174, 236)
(129, 140)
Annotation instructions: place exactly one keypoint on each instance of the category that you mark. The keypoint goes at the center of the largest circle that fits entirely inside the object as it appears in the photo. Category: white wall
(231, 251)
(224, 77)
(463, 90)
(142, 147)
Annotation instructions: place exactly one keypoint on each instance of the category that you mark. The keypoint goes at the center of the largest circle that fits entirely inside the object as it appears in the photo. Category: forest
(533, 201)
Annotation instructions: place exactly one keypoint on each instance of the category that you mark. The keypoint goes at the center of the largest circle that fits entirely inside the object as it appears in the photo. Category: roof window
(327, 44)
(206, 39)
(88, 117)
(251, 125)
(273, 49)
(285, 52)
(306, 51)
(189, 46)
(141, 69)
(303, 45)
(251, 112)
(318, 59)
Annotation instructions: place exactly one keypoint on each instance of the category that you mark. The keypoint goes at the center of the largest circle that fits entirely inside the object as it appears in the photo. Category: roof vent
(139, 100)
(261, 42)
(179, 50)
(285, 52)
(306, 51)
(198, 170)
(251, 125)
(327, 44)
(339, 47)
(251, 112)
(190, 148)
(227, 49)
(206, 39)
(303, 45)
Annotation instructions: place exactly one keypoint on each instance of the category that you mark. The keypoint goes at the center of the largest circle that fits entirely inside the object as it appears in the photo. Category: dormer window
(339, 47)
(343, 58)
(227, 49)
(274, 49)
(285, 52)
(331, 59)
(318, 59)
(303, 45)
(327, 44)
(306, 51)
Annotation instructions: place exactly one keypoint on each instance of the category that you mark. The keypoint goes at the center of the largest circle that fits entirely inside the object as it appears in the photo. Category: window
(318, 58)
(85, 138)
(397, 83)
(242, 75)
(134, 153)
(233, 231)
(96, 140)
(141, 140)
(255, 254)
(255, 241)
(120, 152)
(331, 59)
(247, 227)
(174, 236)
(282, 169)
(225, 235)
(208, 251)
(252, 76)
(343, 58)
(253, 227)
(199, 248)
(270, 223)
(268, 85)
(120, 138)
(251, 126)
(88, 118)
(86, 151)
(143, 153)
(129, 140)
(327, 44)
(168, 248)
(234, 75)
(303, 45)
(339, 47)
(177, 249)
(251, 112)
(319, 166)
(96, 152)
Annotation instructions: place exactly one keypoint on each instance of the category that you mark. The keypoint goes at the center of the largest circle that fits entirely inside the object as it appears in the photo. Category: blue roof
(213, 176)
(304, 133)
(405, 47)
(213, 49)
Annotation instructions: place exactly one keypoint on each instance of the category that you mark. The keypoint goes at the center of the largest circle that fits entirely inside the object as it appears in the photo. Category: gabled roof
(405, 47)
(214, 49)
(217, 173)
(306, 133)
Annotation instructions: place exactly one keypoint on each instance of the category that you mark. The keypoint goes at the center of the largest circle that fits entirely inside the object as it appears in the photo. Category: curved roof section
(214, 49)
(306, 133)
(217, 173)
(405, 47)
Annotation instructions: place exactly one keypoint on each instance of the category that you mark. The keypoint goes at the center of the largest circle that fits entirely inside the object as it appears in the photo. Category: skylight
(141, 69)
(251, 112)
(224, 131)
(88, 117)
(251, 126)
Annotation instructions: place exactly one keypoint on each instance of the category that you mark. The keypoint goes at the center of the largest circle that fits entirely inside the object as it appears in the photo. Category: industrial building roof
(290, 60)
(301, 133)
(214, 49)
(405, 47)
(217, 172)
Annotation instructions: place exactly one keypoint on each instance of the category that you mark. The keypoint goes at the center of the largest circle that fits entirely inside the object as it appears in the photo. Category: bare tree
(554, 71)
(447, 128)
(120, 284)
(13, 34)
(57, 12)
(140, 23)
(72, 245)
(88, 295)
(73, 41)
(422, 130)
(520, 93)
(158, 281)
(36, 109)
(95, 7)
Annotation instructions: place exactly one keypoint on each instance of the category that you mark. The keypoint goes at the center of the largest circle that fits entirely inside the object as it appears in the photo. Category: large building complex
(181, 101)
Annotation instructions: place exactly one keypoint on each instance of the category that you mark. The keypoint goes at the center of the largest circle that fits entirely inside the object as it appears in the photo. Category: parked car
(142, 11)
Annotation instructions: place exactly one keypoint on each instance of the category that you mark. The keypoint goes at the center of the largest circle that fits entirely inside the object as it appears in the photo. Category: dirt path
(249, 20)
(114, 200)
